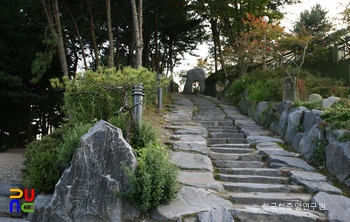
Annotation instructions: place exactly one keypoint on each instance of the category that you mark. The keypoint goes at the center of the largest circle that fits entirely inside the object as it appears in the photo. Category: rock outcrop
(87, 190)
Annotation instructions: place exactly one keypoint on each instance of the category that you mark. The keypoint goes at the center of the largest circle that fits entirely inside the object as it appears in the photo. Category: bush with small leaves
(40, 169)
(155, 181)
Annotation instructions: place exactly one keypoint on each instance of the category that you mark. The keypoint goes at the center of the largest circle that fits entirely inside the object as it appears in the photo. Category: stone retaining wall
(301, 127)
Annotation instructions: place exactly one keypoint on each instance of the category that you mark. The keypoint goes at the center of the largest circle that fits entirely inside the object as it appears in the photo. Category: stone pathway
(231, 168)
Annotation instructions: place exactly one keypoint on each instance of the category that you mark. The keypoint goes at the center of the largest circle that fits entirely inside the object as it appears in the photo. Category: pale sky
(291, 15)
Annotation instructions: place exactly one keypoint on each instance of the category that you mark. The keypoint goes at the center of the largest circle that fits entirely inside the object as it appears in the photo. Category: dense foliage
(155, 181)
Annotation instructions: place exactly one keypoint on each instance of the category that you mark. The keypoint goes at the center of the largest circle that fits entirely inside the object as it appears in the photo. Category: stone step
(256, 187)
(276, 214)
(230, 145)
(223, 156)
(227, 135)
(252, 179)
(216, 141)
(209, 128)
(211, 141)
(239, 164)
(236, 140)
(216, 123)
(258, 198)
(223, 130)
(8, 219)
(251, 171)
(231, 150)
(234, 156)
(250, 157)
(209, 117)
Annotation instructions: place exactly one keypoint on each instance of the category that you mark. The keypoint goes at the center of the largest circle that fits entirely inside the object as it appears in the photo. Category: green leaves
(155, 181)
(99, 94)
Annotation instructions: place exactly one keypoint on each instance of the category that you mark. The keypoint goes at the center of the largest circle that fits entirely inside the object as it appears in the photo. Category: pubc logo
(27, 207)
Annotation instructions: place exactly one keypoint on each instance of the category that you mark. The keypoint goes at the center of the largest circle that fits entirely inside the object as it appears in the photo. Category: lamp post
(265, 19)
(159, 77)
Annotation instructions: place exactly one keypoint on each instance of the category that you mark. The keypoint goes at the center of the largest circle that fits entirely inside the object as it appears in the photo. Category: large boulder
(42, 209)
(190, 200)
(338, 160)
(314, 98)
(294, 123)
(311, 118)
(335, 207)
(283, 106)
(309, 142)
(280, 127)
(87, 190)
(329, 101)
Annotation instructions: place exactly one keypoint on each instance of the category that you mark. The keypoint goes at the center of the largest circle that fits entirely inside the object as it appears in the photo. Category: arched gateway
(193, 76)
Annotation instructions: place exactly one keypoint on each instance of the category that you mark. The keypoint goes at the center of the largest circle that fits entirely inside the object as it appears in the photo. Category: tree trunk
(93, 35)
(55, 26)
(110, 34)
(79, 37)
(137, 20)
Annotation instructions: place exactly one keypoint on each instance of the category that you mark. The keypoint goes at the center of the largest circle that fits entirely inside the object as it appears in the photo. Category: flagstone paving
(251, 178)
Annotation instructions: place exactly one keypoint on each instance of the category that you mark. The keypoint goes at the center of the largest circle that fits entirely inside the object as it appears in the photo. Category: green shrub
(309, 105)
(142, 135)
(338, 116)
(155, 181)
(320, 154)
(40, 169)
(122, 121)
(71, 141)
(265, 90)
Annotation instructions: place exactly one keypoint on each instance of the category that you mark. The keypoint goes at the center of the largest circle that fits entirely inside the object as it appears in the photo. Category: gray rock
(311, 118)
(347, 182)
(200, 179)
(218, 215)
(5, 200)
(272, 214)
(268, 146)
(338, 160)
(42, 209)
(289, 161)
(260, 139)
(314, 97)
(262, 107)
(294, 123)
(190, 200)
(190, 138)
(188, 129)
(329, 101)
(192, 147)
(191, 161)
(336, 207)
(280, 127)
(313, 182)
(283, 106)
(297, 139)
(87, 189)
(245, 123)
(275, 152)
(336, 135)
(255, 131)
(309, 142)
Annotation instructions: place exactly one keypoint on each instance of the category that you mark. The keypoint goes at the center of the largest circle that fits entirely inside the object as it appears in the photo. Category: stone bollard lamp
(138, 92)
(159, 77)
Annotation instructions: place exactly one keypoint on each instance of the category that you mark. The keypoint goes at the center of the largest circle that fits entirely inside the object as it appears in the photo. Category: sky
(291, 15)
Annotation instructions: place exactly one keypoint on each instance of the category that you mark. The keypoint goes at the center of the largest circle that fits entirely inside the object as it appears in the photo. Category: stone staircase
(259, 193)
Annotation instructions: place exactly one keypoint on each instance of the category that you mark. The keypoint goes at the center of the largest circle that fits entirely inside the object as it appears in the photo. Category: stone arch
(195, 75)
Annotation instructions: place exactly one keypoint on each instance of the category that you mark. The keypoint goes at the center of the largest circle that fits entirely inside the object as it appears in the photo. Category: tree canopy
(47, 39)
